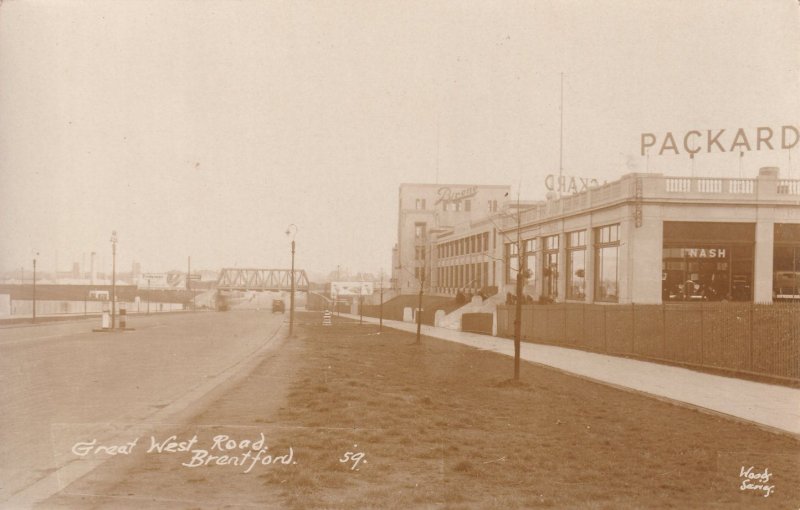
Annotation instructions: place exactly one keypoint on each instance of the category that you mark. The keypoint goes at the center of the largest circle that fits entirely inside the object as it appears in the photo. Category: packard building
(645, 238)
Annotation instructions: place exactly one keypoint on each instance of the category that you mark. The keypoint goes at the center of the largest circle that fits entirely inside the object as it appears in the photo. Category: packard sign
(566, 184)
(721, 140)
(447, 195)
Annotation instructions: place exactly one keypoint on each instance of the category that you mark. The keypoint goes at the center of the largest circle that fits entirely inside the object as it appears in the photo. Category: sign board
(569, 184)
(171, 280)
(153, 281)
(339, 289)
(705, 253)
(447, 195)
(721, 140)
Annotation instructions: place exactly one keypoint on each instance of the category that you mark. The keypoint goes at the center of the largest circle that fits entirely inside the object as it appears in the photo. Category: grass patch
(445, 425)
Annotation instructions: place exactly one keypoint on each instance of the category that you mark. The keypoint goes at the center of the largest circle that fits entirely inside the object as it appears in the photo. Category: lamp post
(34, 289)
(113, 279)
(291, 230)
(380, 326)
(419, 305)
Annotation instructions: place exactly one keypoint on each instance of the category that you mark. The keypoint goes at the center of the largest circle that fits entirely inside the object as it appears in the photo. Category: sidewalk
(777, 407)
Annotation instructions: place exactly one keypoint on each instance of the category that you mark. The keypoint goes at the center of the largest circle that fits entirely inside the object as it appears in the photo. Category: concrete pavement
(771, 406)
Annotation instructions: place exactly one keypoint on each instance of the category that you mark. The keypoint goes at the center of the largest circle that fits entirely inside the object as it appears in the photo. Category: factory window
(606, 281)
(419, 231)
(420, 204)
(530, 260)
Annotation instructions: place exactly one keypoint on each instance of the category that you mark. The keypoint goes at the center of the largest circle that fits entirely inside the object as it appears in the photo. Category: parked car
(278, 306)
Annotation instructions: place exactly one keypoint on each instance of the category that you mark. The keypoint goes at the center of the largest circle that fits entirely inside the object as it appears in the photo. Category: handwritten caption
(354, 457)
(223, 451)
(755, 480)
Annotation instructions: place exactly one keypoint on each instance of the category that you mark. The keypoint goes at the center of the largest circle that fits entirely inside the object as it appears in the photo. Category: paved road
(61, 382)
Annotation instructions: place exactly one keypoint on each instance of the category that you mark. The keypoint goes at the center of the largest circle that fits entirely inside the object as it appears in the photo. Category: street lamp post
(113, 279)
(291, 232)
(34, 290)
(380, 326)
(419, 305)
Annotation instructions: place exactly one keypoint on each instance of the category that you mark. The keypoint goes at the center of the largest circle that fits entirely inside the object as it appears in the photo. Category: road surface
(61, 383)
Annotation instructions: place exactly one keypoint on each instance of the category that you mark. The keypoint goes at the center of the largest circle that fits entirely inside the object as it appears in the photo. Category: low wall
(477, 323)
(761, 339)
(24, 308)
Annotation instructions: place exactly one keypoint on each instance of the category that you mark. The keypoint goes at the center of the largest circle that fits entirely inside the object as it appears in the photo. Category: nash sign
(718, 141)
(705, 253)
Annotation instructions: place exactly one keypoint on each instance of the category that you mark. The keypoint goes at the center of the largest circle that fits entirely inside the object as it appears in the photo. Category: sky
(206, 128)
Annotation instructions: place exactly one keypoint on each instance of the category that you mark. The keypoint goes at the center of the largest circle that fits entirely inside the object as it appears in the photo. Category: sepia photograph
(398, 254)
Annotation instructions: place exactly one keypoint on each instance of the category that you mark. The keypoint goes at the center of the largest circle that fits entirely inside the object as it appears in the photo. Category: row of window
(464, 276)
(606, 264)
(457, 205)
(478, 243)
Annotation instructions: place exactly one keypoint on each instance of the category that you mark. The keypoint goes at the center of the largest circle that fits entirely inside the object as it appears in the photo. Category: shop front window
(512, 262)
(576, 265)
(550, 267)
(606, 281)
(530, 265)
(786, 263)
(705, 261)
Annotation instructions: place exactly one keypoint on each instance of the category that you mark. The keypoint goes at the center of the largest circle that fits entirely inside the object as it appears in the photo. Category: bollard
(123, 314)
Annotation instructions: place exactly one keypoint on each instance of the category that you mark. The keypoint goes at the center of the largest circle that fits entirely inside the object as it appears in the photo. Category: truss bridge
(261, 279)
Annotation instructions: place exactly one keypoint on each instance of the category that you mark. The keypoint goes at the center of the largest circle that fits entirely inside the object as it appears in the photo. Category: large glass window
(530, 260)
(512, 262)
(550, 267)
(606, 280)
(786, 262)
(705, 261)
(576, 265)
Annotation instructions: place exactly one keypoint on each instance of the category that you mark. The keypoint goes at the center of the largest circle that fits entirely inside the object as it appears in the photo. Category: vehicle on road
(278, 306)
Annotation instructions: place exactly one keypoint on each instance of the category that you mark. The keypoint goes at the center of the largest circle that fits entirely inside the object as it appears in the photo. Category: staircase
(453, 319)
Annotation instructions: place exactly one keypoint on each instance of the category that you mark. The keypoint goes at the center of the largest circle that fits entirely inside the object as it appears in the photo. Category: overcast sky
(206, 128)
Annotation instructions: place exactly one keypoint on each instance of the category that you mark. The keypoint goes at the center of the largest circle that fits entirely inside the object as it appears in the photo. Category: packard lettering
(447, 195)
(721, 140)
(569, 184)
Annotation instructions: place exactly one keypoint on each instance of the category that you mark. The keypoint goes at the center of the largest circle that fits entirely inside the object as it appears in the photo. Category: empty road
(61, 383)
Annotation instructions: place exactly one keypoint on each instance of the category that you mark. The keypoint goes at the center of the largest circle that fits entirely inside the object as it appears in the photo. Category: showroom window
(606, 280)
(576, 265)
(707, 261)
(550, 267)
(786, 263)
